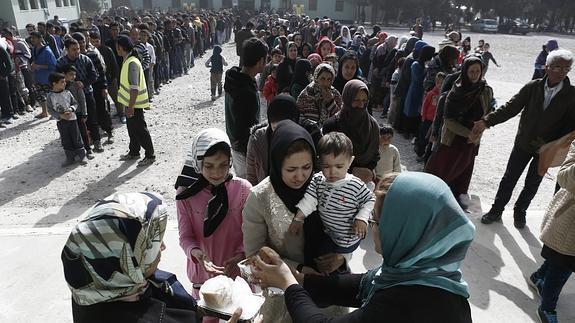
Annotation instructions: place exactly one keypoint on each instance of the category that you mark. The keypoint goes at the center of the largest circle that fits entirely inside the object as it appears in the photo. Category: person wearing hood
(468, 102)
(216, 63)
(423, 237)
(286, 68)
(344, 39)
(320, 100)
(363, 130)
(445, 62)
(414, 96)
(376, 30)
(540, 62)
(357, 46)
(281, 107)
(325, 47)
(303, 70)
(306, 50)
(412, 49)
(241, 36)
(315, 60)
(547, 114)
(209, 201)
(348, 70)
(242, 101)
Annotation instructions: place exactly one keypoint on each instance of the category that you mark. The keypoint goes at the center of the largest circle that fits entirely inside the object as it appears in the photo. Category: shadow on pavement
(94, 191)
(13, 131)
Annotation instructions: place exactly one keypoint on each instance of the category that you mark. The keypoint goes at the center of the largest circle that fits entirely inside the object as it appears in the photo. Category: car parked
(514, 27)
(484, 26)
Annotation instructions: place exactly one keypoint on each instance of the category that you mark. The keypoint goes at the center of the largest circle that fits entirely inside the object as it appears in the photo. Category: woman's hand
(277, 274)
(238, 313)
(326, 95)
(231, 264)
(328, 263)
(206, 263)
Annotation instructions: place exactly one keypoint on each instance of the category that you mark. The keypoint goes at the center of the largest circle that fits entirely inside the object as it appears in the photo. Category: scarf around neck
(194, 182)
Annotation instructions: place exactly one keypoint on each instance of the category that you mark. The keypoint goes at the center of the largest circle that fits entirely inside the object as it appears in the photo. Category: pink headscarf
(315, 59)
(382, 36)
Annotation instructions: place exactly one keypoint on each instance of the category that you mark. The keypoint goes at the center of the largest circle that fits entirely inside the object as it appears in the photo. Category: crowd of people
(311, 179)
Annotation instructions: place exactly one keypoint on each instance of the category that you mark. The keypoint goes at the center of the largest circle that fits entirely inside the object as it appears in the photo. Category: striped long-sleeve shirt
(144, 55)
(339, 204)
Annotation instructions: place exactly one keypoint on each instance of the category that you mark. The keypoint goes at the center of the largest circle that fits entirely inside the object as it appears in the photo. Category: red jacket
(430, 104)
(270, 88)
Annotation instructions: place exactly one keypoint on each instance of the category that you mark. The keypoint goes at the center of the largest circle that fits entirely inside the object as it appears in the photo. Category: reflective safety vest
(124, 88)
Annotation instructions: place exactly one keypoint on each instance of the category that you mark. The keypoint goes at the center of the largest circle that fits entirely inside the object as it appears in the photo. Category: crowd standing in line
(323, 83)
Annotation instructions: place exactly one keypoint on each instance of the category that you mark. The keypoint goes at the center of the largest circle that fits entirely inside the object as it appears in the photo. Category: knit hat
(454, 36)
(125, 42)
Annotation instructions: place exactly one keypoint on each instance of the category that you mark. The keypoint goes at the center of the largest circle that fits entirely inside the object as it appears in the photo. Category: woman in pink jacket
(210, 201)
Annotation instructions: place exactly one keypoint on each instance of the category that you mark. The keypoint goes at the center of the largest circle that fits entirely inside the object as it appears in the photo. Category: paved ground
(39, 201)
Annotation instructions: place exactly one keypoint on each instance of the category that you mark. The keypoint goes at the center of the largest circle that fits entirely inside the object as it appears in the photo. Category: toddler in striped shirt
(343, 201)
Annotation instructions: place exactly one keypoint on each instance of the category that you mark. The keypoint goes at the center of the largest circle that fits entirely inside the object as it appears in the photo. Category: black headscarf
(426, 54)
(301, 73)
(462, 102)
(192, 179)
(339, 81)
(286, 133)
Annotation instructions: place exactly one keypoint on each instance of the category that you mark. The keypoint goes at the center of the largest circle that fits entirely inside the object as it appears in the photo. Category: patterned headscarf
(111, 248)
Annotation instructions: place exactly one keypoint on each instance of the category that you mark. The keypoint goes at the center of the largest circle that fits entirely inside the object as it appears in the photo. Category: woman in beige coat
(558, 236)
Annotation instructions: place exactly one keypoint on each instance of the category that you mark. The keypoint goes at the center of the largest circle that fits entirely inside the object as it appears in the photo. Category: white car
(484, 26)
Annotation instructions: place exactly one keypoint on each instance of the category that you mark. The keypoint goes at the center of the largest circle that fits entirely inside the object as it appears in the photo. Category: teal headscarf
(424, 237)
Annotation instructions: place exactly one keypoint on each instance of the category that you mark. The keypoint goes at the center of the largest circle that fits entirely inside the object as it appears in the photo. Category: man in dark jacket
(6, 68)
(241, 36)
(547, 108)
(242, 103)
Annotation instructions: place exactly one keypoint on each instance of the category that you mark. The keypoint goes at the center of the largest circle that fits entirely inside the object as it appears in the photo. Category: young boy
(63, 106)
(389, 160)
(486, 56)
(344, 202)
(428, 114)
(271, 86)
(277, 58)
(216, 62)
(69, 72)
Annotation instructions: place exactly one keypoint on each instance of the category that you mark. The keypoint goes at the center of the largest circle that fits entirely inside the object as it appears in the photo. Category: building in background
(18, 13)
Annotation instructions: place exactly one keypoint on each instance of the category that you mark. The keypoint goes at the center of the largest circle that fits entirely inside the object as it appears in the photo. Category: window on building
(313, 5)
(73, 2)
(22, 5)
(338, 5)
(43, 4)
(66, 3)
(58, 3)
(33, 4)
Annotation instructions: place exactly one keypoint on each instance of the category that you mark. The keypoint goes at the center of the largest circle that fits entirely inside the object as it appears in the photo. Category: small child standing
(271, 86)
(69, 72)
(428, 114)
(486, 56)
(344, 202)
(389, 160)
(277, 58)
(63, 106)
(393, 99)
(216, 62)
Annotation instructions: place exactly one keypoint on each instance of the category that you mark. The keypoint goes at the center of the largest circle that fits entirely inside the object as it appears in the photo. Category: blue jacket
(43, 56)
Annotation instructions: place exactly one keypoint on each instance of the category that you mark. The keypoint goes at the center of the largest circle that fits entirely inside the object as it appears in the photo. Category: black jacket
(5, 63)
(242, 107)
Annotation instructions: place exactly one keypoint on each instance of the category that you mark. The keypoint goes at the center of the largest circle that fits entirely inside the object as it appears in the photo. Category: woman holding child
(320, 100)
(357, 124)
(271, 206)
(209, 203)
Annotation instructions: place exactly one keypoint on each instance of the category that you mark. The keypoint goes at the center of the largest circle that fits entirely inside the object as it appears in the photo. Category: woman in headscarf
(209, 201)
(423, 236)
(414, 96)
(301, 77)
(286, 68)
(306, 50)
(378, 71)
(445, 62)
(271, 207)
(325, 47)
(281, 42)
(348, 70)
(281, 107)
(363, 130)
(467, 102)
(320, 100)
(315, 59)
(344, 39)
(357, 46)
(111, 259)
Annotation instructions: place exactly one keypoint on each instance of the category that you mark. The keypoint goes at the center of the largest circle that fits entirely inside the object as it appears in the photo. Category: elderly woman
(468, 101)
(320, 100)
(282, 107)
(209, 201)
(558, 236)
(363, 130)
(423, 236)
(271, 207)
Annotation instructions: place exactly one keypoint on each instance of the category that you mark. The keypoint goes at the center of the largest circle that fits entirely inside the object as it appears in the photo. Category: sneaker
(123, 120)
(129, 157)
(15, 116)
(535, 283)
(89, 155)
(29, 108)
(547, 316)
(519, 220)
(490, 217)
(147, 161)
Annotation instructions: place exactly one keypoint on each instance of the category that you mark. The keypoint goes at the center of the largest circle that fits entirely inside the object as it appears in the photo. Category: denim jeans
(554, 277)
(517, 163)
(240, 164)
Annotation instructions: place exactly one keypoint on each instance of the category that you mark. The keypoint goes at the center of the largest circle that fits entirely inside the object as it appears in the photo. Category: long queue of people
(311, 180)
